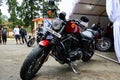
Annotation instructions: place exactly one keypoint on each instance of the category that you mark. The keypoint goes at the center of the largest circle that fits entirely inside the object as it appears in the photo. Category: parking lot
(12, 57)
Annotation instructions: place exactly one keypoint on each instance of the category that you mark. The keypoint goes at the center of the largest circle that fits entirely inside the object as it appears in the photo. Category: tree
(29, 9)
(0, 16)
(0, 12)
(12, 4)
(50, 9)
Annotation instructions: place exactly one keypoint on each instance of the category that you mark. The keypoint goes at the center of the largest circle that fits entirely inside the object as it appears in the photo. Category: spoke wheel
(104, 44)
(33, 63)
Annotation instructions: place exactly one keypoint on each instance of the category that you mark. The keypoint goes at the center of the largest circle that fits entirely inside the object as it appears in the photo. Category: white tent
(94, 9)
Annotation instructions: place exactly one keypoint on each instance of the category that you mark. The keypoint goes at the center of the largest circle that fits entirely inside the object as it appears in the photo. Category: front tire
(32, 63)
(31, 42)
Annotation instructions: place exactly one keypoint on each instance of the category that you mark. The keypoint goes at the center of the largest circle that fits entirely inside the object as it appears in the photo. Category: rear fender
(44, 43)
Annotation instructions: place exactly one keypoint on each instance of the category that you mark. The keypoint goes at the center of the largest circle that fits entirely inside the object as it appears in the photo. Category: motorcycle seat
(88, 34)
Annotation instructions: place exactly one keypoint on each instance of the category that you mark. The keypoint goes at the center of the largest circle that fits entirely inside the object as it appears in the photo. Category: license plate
(53, 32)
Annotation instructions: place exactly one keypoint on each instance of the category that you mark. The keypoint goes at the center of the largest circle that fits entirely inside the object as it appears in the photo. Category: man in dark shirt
(0, 35)
(4, 35)
(23, 34)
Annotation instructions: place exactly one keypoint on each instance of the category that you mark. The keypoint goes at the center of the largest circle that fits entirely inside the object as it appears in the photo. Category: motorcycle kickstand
(74, 68)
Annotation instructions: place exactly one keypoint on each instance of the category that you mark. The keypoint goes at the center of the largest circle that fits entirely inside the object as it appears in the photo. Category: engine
(75, 54)
(69, 50)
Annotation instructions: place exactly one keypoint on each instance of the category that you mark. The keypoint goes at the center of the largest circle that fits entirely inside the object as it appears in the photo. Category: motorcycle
(32, 39)
(66, 46)
(102, 42)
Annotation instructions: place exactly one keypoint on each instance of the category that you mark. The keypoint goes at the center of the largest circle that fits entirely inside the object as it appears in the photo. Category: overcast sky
(65, 5)
(4, 9)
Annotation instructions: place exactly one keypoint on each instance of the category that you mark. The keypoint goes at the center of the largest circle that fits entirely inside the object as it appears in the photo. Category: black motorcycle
(66, 46)
(32, 39)
(102, 42)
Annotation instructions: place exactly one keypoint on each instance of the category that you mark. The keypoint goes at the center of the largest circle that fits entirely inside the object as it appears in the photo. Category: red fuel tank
(71, 27)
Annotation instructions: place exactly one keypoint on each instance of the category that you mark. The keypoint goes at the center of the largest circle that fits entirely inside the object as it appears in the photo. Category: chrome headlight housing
(57, 24)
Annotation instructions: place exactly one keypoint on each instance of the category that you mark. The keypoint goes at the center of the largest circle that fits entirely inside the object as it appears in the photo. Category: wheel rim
(103, 45)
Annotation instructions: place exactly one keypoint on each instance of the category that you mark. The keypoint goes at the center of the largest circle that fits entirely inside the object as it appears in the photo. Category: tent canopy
(90, 7)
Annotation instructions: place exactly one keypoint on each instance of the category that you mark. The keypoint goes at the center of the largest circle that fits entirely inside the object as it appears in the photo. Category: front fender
(44, 43)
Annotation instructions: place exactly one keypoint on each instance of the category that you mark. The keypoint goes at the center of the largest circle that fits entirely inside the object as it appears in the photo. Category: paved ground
(12, 57)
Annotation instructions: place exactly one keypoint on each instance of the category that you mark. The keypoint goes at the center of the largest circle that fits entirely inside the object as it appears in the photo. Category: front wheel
(33, 63)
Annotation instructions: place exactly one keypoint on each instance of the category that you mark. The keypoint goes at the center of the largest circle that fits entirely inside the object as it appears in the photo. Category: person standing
(0, 34)
(23, 34)
(39, 28)
(16, 32)
(4, 35)
(113, 12)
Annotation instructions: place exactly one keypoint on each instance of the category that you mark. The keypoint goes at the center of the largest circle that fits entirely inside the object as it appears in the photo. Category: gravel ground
(12, 57)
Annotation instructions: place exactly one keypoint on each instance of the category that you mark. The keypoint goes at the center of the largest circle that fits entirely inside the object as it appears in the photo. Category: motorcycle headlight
(57, 24)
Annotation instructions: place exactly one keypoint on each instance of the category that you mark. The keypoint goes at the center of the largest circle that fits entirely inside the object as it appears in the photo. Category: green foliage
(29, 9)
(0, 16)
(12, 4)
(47, 7)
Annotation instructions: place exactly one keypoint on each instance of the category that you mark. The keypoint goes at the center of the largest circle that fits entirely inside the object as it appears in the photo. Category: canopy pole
(110, 59)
